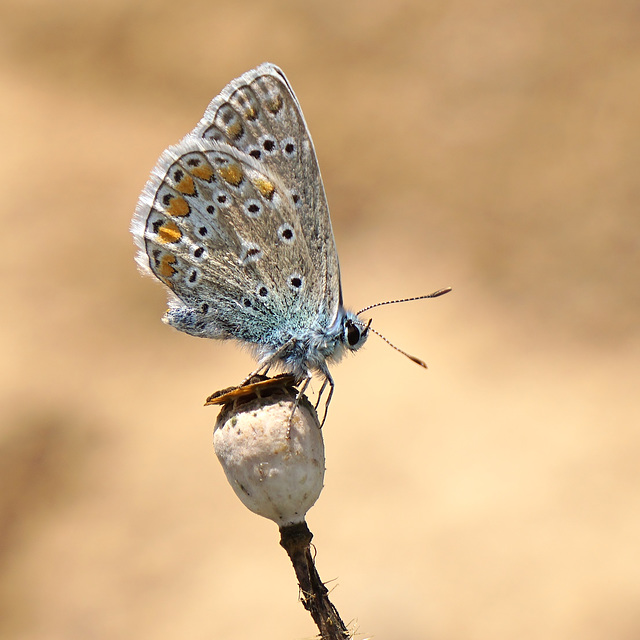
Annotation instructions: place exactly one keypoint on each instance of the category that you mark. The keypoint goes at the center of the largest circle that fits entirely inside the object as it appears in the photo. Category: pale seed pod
(273, 459)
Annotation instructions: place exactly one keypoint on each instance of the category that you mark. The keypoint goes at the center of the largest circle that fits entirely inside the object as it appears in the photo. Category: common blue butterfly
(235, 223)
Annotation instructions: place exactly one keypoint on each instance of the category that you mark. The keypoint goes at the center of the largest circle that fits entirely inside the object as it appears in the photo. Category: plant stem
(296, 540)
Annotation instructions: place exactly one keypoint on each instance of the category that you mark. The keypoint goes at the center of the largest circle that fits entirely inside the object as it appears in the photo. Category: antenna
(404, 353)
(435, 294)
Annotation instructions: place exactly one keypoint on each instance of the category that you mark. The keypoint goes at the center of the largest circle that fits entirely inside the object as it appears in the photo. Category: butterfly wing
(222, 233)
(259, 114)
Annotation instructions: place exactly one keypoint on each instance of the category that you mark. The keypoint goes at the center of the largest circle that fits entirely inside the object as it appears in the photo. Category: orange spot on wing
(186, 185)
(203, 171)
(169, 232)
(274, 104)
(232, 174)
(265, 187)
(235, 130)
(178, 207)
(166, 268)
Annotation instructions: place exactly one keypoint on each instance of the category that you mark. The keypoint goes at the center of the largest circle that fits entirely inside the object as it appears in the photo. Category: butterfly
(235, 223)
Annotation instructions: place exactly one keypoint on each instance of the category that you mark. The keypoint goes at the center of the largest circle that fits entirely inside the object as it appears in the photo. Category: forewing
(259, 114)
(222, 232)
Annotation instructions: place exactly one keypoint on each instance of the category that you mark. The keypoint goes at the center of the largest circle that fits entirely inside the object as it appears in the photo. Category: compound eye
(353, 334)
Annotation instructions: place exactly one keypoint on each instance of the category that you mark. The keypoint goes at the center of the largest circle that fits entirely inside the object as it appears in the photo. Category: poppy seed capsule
(274, 461)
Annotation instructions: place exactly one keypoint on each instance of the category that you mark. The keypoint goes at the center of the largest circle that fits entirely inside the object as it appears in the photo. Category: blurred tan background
(493, 147)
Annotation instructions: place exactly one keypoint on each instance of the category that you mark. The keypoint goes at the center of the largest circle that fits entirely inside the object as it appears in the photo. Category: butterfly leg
(262, 369)
(322, 388)
(303, 388)
(328, 380)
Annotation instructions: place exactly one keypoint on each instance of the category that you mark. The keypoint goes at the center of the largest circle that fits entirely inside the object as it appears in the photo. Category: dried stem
(296, 540)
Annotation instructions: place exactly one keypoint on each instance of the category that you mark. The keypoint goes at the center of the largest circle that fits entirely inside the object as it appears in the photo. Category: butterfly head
(354, 331)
